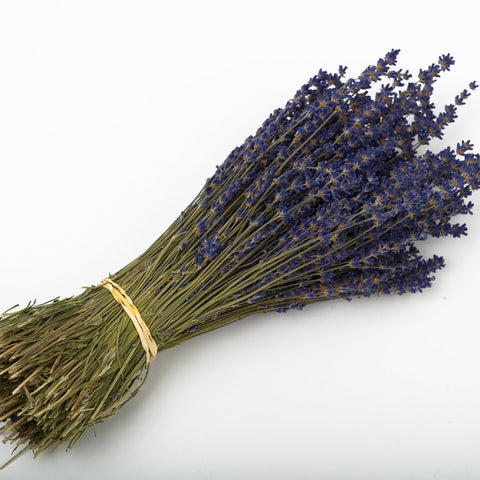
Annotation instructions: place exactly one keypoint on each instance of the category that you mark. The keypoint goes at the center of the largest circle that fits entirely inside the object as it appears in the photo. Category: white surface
(114, 110)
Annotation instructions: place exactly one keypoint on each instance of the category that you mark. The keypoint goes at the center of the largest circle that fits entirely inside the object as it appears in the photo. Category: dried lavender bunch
(327, 200)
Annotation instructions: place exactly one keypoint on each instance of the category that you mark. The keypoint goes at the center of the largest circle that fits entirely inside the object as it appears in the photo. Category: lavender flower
(330, 196)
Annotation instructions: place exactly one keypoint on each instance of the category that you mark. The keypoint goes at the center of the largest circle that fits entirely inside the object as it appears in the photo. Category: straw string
(143, 331)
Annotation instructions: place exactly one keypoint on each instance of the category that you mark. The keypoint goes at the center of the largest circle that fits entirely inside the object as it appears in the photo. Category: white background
(112, 114)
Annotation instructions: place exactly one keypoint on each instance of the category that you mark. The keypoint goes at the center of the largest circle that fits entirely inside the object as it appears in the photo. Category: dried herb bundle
(327, 200)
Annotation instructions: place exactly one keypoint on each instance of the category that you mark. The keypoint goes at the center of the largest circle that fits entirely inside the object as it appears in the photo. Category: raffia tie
(131, 310)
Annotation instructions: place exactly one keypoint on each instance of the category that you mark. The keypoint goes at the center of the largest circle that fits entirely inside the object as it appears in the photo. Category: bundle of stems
(327, 200)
